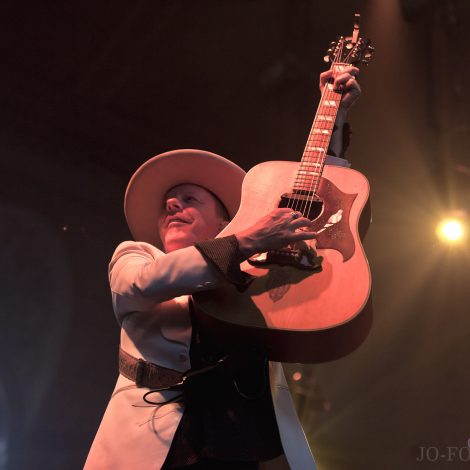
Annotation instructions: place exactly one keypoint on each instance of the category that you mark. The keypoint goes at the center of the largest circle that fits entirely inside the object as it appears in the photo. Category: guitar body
(295, 314)
(304, 301)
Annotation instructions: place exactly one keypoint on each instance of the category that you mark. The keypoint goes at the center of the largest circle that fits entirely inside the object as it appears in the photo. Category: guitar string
(331, 94)
(321, 155)
(346, 60)
(318, 161)
(303, 179)
(300, 180)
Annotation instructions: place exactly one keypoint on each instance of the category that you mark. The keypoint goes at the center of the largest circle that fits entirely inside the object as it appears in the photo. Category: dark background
(90, 90)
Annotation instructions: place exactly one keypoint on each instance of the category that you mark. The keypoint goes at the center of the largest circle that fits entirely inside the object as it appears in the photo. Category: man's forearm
(337, 142)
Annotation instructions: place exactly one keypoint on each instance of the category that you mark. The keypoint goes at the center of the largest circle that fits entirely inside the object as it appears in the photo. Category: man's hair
(222, 212)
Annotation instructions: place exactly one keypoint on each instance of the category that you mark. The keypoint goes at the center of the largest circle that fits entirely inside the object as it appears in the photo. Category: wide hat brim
(143, 202)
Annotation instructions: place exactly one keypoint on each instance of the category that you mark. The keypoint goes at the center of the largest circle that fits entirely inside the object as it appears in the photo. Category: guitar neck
(314, 156)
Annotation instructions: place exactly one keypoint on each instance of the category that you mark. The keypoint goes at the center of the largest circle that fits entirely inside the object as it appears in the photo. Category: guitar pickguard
(332, 225)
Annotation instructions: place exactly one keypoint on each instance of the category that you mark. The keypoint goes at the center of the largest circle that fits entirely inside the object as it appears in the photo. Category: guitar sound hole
(303, 203)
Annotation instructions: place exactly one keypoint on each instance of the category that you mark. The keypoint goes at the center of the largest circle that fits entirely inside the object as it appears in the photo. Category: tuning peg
(367, 56)
(326, 59)
(371, 48)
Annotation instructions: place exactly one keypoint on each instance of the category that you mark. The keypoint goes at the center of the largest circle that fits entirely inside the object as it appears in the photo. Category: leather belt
(146, 374)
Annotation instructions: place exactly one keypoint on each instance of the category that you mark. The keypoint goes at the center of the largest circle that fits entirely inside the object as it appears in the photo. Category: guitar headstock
(352, 50)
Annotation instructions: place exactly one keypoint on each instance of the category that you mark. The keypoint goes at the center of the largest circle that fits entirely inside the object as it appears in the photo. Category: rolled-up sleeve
(141, 276)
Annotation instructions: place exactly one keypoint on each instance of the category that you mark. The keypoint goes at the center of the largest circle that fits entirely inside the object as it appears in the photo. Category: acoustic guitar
(304, 302)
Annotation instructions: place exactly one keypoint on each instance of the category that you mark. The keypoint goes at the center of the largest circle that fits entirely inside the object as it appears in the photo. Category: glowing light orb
(450, 230)
(296, 376)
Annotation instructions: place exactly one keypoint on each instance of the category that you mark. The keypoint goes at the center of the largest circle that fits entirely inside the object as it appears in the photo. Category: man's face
(190, 215)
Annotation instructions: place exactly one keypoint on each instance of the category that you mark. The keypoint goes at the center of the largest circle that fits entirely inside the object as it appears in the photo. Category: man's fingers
(288, 212)
(324, 77)
(341, 79)
(353, 87)
(302, 222)
(354, 71)
(298, 236)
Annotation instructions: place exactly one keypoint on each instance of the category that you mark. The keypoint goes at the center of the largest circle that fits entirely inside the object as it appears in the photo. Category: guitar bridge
(302, 258)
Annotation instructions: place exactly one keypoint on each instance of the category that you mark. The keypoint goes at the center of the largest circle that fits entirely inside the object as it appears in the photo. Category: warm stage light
(450, 230)
(296, 376)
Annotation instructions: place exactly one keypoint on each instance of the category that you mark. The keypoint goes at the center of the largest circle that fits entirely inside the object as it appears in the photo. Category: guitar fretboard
(311, 166)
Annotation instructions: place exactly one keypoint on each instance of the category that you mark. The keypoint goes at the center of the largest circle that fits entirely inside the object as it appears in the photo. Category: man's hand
(345, 82)
(351, 89)
(273, 231)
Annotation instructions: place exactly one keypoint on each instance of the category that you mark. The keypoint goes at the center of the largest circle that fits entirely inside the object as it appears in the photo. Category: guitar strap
(294, 441)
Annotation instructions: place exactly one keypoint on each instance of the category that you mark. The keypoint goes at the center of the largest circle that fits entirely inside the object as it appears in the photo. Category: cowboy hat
(143, 201)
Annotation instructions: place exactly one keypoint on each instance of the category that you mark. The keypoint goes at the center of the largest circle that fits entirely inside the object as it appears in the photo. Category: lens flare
(450, 230)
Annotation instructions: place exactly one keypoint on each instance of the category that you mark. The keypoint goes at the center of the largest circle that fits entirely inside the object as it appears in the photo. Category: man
(223, 417)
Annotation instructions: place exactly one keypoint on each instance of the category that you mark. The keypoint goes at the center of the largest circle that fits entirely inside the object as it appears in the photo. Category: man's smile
(174, 220)
(189, 214)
